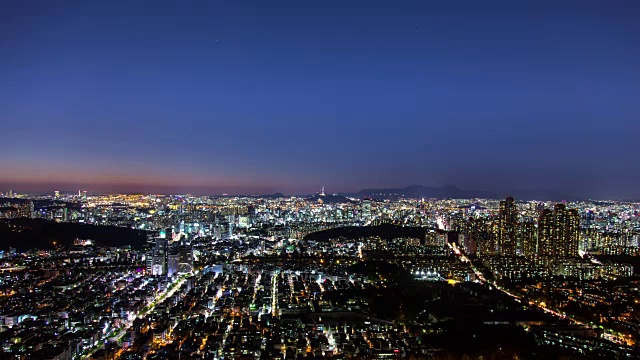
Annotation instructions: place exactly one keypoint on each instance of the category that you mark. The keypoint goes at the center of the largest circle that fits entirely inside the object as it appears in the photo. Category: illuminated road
(274, 294)
(15, 268)
(171, 289)
(620, 340)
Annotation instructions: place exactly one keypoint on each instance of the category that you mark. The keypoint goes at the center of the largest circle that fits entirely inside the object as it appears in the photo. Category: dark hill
(25, 234)
(380, 269)
(386, 231)
(369, 267)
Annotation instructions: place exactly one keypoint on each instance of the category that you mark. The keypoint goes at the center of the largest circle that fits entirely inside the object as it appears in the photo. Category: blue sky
(293, 95)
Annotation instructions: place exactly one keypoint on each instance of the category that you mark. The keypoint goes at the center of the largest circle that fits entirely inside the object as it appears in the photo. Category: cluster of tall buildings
(555, 234)
(167, 259)
(16, 208)
(558, 232)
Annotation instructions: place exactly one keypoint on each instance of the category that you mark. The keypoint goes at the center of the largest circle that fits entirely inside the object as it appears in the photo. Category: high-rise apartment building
(545, 233)
(528, 238)
(572, 233)
(25, 209)
(507, 227)
(558, 232)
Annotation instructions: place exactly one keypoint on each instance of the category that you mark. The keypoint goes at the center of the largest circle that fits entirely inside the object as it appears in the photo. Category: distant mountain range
(272, 196)
(418, 191)
(453, 192)
(432, 192)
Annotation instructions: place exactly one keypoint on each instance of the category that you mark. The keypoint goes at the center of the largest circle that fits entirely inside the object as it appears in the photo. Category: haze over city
(262, 97)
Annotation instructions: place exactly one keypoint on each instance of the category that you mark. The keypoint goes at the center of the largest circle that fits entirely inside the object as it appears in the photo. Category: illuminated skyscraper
(558, 232)
(173, 259)
(488, 244)
(528, 239)
(159, 265)
(507, 223)
(366, 209)
(572, 233)
(545, 232)
(25, 209)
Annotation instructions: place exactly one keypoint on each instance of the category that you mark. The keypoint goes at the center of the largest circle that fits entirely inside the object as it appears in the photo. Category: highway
(606, 334)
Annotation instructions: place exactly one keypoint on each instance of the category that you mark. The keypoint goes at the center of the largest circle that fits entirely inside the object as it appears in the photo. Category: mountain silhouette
(453, 192)
(419, 191)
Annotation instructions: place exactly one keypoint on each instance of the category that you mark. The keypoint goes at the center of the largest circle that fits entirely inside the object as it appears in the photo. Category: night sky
(266, 96)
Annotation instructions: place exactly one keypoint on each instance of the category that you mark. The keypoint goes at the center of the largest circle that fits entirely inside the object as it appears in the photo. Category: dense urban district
(326, 276)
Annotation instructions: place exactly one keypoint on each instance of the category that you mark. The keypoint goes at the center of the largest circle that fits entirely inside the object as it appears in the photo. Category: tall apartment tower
(558, 232)
(528, 238)
(507, 227)
(493, 239)
(545, 227)
(572, 233)
(25, 209)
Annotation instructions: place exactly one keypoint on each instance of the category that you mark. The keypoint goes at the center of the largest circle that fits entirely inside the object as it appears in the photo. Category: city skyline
(202, 277)
(447, 191)
(255, 98)
(421, 180)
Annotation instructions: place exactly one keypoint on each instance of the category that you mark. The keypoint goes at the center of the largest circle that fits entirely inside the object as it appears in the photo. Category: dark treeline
(385, 231)
(24, 234)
